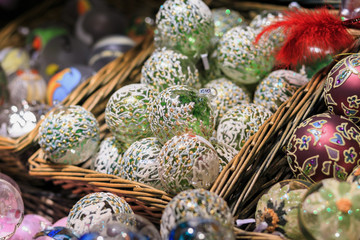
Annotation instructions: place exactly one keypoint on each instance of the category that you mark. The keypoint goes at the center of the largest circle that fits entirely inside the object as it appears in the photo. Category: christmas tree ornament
(107, 49)
(56, 233)
(27, 85)
(228, 95)
(225, 19)
(264, 19)
(240, 123)
(61, 52)
(40, 36)
(11, 209)
(324, 146)
(93, 209)
(65, 81)
(139, 162)
(10, 180)
(277, 210)
(195, 203)
(69, 135)
(126, 113)
(187, 161)
(178, 110)
(186, 26)
(341, 90)
(349, 9)
(13, 59)
(109, 156)
(306, 30)
(277, 88)
(330, 210)
(241, 59)
(30, 225)
(201, 228)
(165, 68)
(225, 152)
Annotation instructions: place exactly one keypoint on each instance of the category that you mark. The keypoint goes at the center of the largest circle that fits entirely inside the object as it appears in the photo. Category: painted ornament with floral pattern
(330, 210)
(342, 88)
(324, 146)
(195, 203)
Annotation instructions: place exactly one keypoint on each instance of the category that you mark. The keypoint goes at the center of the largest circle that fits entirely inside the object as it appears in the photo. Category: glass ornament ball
(195, 203)
(178, 110)
(126, 112)
(187, 161)
(277, 209)
(108, 158)
(324, 146)
(342, 86)
(94, 208)
(10, 180)
(240, 123)
(69, 135)
(185, 26)
(13, 59)
(330, 210)
(64, 82)
(128, 227)
(30, 225)
(277, 88)
(11, 209)
(225, 19)
(165, 68)
(228, 95)
(240, 59)
(225, 152)
(107, 49)
(27, 85)
(139, 162)
(201, 229)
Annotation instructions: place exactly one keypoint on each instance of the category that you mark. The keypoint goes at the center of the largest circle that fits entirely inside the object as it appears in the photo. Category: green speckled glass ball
(277, 88)
(165, 68)
(178, 110)
(107, 159)
(186, 26)
(240, 123)
(225, 152)
(228, 95)
(240, 59)
(95, 208)
(139, 162)
(225, 19)
(69, 135)
(187, 161)
(126, 113)
(330, 210)
(195, 203)
(354, 176)
(277, 210)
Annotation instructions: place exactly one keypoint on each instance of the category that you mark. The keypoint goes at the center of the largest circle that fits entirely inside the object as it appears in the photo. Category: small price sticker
(209, 92)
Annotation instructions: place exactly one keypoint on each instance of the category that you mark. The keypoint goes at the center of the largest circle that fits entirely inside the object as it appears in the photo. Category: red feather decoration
(309, 36)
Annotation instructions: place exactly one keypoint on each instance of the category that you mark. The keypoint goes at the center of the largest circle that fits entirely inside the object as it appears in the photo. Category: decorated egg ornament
(342, 88)
(324, 146)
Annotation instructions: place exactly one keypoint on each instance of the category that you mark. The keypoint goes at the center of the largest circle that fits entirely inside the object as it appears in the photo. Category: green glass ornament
(178, 110)
(225, 19)
(186, 26)
(126, 113)
(69, 135)
(165, 68)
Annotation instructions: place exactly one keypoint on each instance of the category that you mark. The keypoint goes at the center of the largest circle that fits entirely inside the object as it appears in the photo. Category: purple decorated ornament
(342, 88)
(324, 146)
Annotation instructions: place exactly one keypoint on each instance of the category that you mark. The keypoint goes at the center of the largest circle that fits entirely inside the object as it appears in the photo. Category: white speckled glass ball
(228, 95)
(187, 161)
(69, 135)
(140, 162)
(186, 26)
(240, 59)
(278, 87)
(126, 113)
(178, 110)
(194, 203)
(240, 123)
(108, 158)
(165, 68)
(94, 208)
(225, 152)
